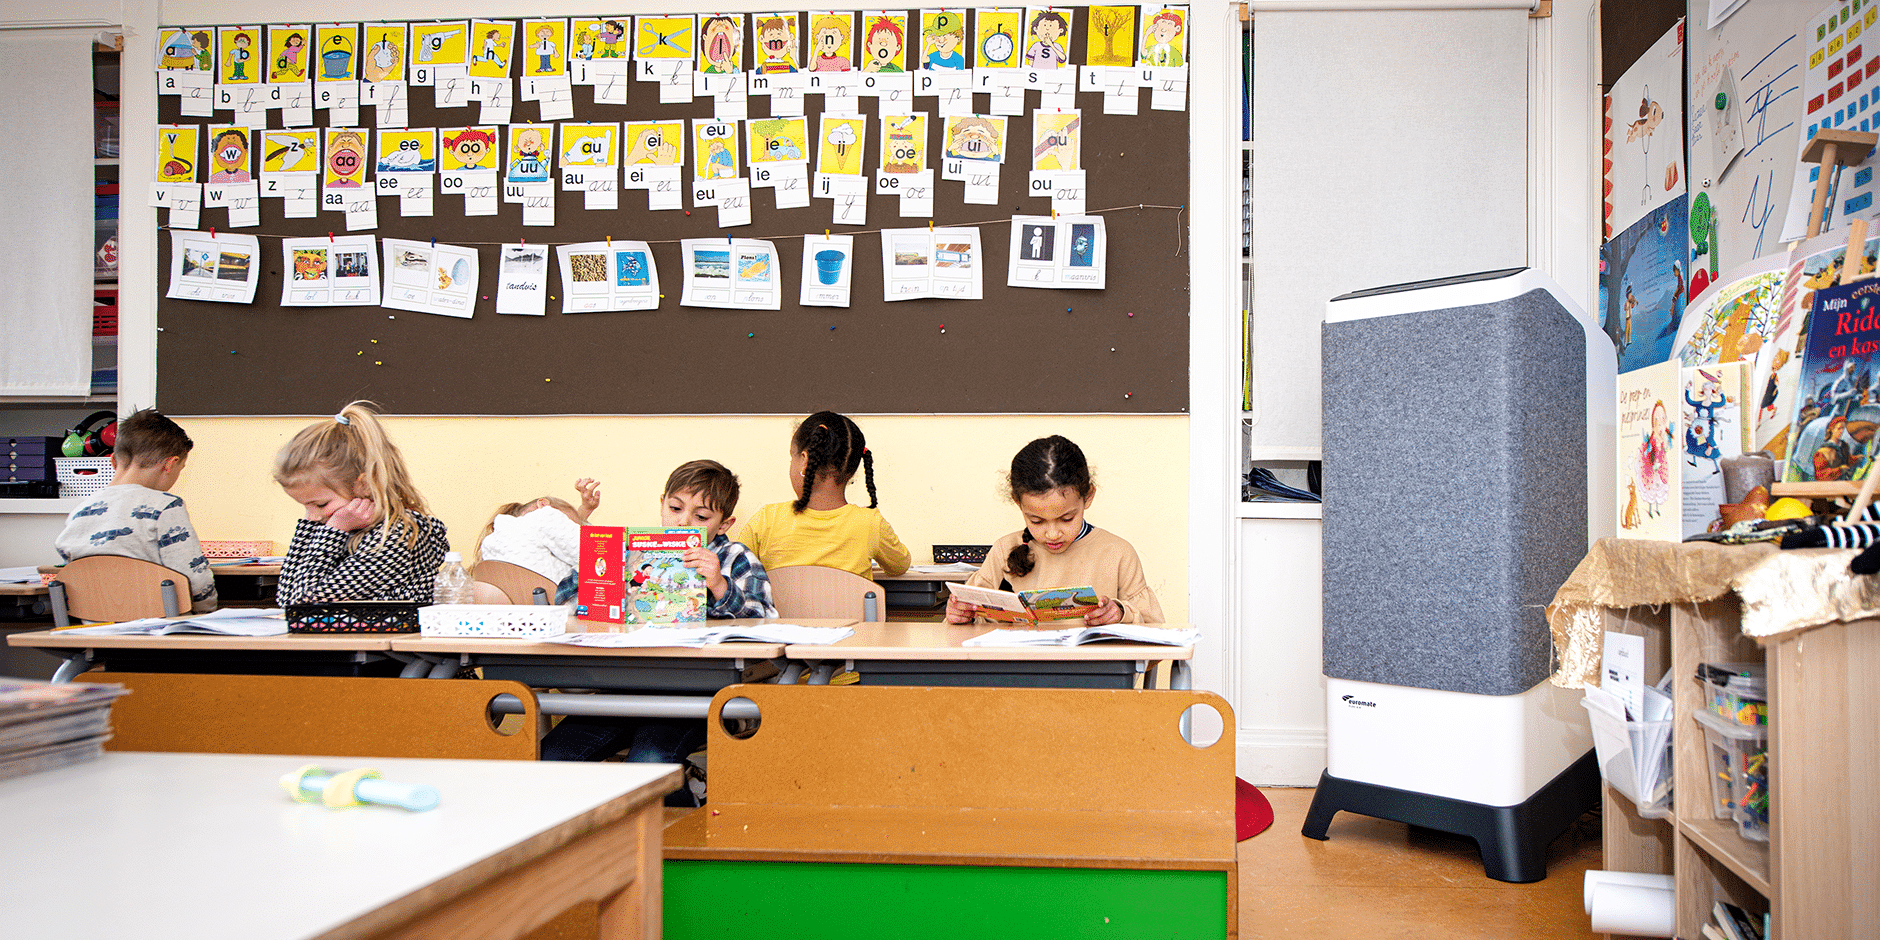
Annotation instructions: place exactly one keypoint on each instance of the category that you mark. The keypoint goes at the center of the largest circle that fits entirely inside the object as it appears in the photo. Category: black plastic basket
(353, 617)
(953, 554)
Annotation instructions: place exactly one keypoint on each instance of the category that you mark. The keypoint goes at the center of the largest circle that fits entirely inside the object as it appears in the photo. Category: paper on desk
(229, 621)
(28, 574)
(958, 567)
(703, 636)
(1077, 636)
(251, 560)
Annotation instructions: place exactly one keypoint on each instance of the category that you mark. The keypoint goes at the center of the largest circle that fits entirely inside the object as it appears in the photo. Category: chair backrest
(812, 591)
(112, 587)
(483, 592)
(516, 582)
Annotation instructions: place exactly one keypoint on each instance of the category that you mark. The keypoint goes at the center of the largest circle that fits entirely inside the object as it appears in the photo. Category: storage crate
(83, 476)
(504, 621)
(1738, 761)
(213, 548)
(1620, 745)
(953, 554)
(104, 311)
(353, 617)
(1735, 691)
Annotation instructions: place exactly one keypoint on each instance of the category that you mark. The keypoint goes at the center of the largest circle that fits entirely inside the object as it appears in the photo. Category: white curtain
(46, 214)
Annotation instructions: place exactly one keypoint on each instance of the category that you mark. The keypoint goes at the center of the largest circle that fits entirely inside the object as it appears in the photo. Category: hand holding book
(966, 601)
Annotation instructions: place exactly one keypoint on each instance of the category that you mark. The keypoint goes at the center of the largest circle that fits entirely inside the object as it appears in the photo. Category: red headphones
(82, 441)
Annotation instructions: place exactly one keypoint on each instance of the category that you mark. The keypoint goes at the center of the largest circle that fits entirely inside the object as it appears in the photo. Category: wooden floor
(1374, 878)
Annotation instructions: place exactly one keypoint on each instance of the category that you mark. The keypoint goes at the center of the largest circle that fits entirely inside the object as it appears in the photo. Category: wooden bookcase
(1819, 873)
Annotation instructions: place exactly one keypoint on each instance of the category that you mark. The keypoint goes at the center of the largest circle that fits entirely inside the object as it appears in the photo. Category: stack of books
(43, 726)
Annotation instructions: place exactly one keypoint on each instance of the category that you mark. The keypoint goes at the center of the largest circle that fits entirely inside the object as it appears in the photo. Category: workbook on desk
(229, 621)
(1039, 606)
(788, 633)
(250, 560)
(1078, 636)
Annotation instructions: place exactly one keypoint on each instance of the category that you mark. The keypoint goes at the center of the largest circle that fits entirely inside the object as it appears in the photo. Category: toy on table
(356, 788)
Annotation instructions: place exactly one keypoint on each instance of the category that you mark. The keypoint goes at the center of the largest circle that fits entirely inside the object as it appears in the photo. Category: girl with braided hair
(821, 527)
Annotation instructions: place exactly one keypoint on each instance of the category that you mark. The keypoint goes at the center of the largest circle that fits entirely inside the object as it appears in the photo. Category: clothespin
(610, 241)
(433, 241)
(329, 238)
(212, 233)
(930, 226)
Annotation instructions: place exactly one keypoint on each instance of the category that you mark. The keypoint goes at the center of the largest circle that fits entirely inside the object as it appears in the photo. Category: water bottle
(453, 583)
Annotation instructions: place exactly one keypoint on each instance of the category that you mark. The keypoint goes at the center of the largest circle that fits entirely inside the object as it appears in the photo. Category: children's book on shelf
(1650, 451)
(1714, 428)
(600, 585)
(1039, 606)
(1734, 922)
(229, 621)
(661, 590)
(1835, 409)
(1078, 636)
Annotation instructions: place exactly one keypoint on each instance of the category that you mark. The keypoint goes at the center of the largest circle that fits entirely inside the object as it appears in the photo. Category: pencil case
(353, 617)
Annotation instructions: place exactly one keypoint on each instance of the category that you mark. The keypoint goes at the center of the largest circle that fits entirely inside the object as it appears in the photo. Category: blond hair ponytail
(350, 451)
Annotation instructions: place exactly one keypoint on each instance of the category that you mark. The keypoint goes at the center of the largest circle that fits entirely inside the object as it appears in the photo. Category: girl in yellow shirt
(821, 527)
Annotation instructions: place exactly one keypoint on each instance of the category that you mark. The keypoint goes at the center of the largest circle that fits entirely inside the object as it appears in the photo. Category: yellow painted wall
(939, 477)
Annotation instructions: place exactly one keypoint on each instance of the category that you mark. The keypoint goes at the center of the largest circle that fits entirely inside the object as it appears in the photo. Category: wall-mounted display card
(903, 144)
(492, 48)
(1068, 251)
(833, 42)
(779, 156)
(944, 66)
(662, 53)
(289, 72)
(598, 56)
(335, 271)
(1109, 65)
(382, 73)
(654, 160)
(778, 62)
(1837, 60)
(178, 174)
(467, 166)
(186, 67)
(718, 158)
(1047, 39)
(218, 267)
(590, 163)
(720, 44)
(972, 147)
(290, 171)
(406, 168)
(827, 264)
(1163, 50)
(940, 262)
(430, 277)
(439, 49)
(241, 55)
(344, 187)
(544, 43)
(336, 72)
(882, 37)
(231, 178)
(522, 279)
(840, 144)
(1644, 152)
(997, 55)
(609, 275)
(528, 157)
(738, 273)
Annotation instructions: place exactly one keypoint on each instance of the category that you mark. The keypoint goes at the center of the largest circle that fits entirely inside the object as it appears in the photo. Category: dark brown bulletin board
(1121, 349)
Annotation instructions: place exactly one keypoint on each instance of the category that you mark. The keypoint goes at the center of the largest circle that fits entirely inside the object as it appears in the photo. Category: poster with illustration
(608, 275)
(492, 48)
(407, 151)
(1057, 141)
(1110, 39)
(289, 153)
(997, 32)
(831, 41)
(1644, 134)
(1837, 62)
(737, 273)
(528, 154)
(1736, 319)
(589, 145)
(1047, 38)
(840, 141)
(720, 43)
(779, 49)
(345, 166)
(217, 267)
(828, 261)
(1164, 38)
(655, 143)
(904, 143)
(385, 57)
(1069, 251)
(1650, 453)
(884, 41)
(664, 37)
(334, 271)
(1642, 286)
(467, 148)
(186, 48)
(943, 44)
(241, 55)
(544, 48)
(439, 49)
(429, 277)
(779, 141)
(290, 55)
(975, 137)
(336, 52)
(522, 279)
(1712, 415)
(178, 153)
(938, 262)
(602, 37)
(719, 156)
(231, 154)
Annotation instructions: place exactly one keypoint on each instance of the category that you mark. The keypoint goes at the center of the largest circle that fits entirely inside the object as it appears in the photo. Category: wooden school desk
(237, 585)
(918, 594)
(294, 653)
(209, 847)
(931, 654)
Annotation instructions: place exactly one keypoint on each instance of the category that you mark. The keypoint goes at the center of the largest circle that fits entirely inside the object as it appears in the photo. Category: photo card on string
(1065, 252)
(429, 277)
(219, 267)
(608, 275)
(335, 271)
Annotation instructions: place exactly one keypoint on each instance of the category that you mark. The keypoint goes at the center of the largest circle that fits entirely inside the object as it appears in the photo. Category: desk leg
(444, 669)
(634, 912)
(415, 665)
(792, 672)
(822, 674)
(1181, 675)
(76, 661)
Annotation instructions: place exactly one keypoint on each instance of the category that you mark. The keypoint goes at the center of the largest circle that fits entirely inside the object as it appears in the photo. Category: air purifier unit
(1468, 427)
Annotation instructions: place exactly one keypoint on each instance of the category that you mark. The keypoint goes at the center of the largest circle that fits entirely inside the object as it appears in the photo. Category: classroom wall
(939, 477)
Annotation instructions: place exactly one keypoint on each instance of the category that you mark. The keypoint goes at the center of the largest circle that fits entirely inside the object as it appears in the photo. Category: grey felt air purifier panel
(1455, 491)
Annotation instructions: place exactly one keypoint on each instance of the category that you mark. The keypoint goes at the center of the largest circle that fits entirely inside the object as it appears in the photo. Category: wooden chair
(516, 582)
(812, 591)
(109, 588)
(340, 716)
(483, 592)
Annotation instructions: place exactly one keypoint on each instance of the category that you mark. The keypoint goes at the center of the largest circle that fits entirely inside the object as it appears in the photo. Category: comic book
(600, 585)
(1029, 606)
(661, 590)
(1650, 451)
(1835, 411)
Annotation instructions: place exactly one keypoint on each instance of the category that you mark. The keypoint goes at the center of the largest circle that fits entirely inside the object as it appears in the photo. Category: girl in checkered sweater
(366, 534)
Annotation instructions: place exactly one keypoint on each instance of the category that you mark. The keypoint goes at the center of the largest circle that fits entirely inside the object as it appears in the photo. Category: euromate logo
(1356, 702)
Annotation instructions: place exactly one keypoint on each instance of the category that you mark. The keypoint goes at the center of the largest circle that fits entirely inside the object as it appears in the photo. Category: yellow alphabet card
(663, 37)
(721, 43)
(655, 143)
(544, 48)
(492, 45)
(595, 145)
(336, 52)
(385, 57)
(408, 151)
(177, 152)
(996, 34)
(241, 55)
(716, 143)
(345, 158)
(289, 52)
(779, 140)
(840, 142)
(468, 148)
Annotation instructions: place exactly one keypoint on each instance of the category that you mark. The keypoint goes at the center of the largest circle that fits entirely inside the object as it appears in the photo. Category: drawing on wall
(943, 40)
(1641, 286)
(1644, 134)
(831, 39)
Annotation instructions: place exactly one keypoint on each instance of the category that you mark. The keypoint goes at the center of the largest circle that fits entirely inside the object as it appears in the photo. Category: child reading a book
(700, 493)
(822, 527)
(136, 516)
(543, 534)
(366, 534)
(1051, 484)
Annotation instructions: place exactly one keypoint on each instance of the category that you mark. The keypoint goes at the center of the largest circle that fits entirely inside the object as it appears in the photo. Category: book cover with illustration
(1040, 606)
(1813, 265)
(1651, 448)
(600, 584)
(1835, 411)
(1642, 285)
(1714, 428)
(1736, 316)
(661, 590)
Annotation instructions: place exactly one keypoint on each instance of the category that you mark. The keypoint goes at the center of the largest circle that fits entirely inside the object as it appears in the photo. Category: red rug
(1252, 813)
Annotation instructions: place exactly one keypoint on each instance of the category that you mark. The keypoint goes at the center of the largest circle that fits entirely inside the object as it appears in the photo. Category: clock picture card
(219, 268)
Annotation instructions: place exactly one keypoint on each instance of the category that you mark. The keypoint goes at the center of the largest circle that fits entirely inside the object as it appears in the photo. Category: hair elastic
(342, 419)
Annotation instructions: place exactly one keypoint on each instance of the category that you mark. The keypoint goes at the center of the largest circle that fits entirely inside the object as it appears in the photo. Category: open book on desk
(1029, 606)
(229, 621)
(787, 633)
(250, 560)
(1078, 636)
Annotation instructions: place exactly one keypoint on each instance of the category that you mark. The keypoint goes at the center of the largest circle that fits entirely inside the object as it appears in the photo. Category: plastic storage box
(1738, 760)
(954, 554)
(1735, 691)
(82, 476)
(1622, 747)
(354, 617)
(501, 621)
(221, 548)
